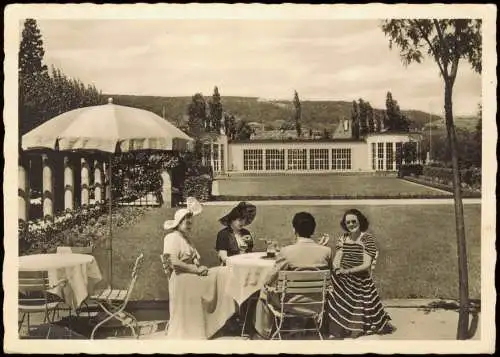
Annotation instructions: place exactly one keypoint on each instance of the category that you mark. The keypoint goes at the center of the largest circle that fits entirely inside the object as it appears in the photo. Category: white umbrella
(108, 128)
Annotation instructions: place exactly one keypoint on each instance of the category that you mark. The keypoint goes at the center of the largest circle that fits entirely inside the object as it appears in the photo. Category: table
(248, 273)
(80, 270)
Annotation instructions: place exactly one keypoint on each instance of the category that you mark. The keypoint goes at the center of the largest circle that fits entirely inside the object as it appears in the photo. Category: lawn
(417, 245)
(322, 185)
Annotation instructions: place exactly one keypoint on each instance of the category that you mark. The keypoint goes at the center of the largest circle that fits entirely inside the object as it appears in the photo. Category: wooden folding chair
(34, 297)
(166, 264)
(114, 301)
(304, 284)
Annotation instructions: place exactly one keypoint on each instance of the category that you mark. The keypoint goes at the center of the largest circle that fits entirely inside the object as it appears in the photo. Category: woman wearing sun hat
(197, 304)
(234, 239)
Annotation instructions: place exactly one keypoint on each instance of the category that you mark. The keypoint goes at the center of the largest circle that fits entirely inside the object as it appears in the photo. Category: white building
(375, 152)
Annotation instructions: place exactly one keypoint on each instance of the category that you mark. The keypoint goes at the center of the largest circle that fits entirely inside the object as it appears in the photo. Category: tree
(355, 120)
(243, 131)
(215, 106)
(378, 122)
(447, 42)
(197, 113)
(363, 117)
(298, 114)
(33, 78)
(395, 120)
(370, 118)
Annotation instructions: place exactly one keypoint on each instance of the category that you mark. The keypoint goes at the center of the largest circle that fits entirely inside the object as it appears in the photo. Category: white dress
(198, 305)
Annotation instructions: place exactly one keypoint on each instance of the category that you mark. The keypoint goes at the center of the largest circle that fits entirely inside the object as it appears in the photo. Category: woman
(234, 239)
(198, 304)
(354, 307)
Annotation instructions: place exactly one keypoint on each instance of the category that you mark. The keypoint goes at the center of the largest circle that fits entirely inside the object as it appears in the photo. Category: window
(319, 159)
(341, 159)
(206, 154)
(399, 154)
(297, 159)
(215, 156)
(222, 157)
(252, 159)
(275, 159)
(374, 157)
(389, 149)
(380, 156)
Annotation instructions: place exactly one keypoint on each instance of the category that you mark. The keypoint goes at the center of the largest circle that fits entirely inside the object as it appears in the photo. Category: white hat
(193, 207)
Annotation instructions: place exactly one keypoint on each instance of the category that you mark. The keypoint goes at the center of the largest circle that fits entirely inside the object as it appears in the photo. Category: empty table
(80, 270)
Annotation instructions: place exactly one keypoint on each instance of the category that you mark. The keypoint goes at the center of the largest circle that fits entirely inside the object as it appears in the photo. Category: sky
(325, 59)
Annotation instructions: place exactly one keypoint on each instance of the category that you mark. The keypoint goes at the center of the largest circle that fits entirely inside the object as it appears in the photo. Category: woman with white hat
(197, 303)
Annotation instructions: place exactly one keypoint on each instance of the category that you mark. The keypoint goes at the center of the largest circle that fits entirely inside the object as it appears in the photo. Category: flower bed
(83, 227)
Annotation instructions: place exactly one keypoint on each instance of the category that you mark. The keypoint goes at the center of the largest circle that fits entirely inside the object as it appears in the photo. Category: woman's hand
(202, 270)
(324, 239)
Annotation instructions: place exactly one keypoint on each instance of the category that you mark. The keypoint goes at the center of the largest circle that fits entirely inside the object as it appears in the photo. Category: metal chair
(311, 284)
(114, 301)
(34, 297)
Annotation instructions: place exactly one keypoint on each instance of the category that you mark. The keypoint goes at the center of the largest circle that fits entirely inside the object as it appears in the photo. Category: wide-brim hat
(192, 207)
(243, 210)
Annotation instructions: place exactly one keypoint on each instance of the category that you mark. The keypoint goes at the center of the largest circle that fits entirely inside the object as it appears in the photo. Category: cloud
(325, 59)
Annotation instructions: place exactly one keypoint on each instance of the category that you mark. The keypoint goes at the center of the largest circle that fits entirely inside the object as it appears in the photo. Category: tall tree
(215, 106)
(370, 118)
(197, 113)
(355, 120)
(298, 114)
(447, 42)
(363, 117)
(33, 78)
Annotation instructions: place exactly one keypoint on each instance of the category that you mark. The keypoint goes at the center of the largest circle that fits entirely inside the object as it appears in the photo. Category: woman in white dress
(198, 304)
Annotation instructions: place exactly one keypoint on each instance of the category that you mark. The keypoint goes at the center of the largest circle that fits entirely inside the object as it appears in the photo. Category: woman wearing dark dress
(234, 239)
(354, 307)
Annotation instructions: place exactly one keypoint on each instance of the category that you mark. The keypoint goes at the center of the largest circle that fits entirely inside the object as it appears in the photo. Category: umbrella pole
(110, 237)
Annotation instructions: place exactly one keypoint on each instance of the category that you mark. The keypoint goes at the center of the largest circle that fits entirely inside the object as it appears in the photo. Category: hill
(271, 113)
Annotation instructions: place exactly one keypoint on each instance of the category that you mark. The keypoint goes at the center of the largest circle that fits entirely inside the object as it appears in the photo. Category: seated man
(304, 253)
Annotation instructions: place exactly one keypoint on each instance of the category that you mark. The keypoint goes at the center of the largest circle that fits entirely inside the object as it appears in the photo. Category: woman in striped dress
(354, 307)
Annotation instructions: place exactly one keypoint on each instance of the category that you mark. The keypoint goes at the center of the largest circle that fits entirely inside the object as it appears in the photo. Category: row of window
(390, 152)
(253, 159)
(208, 153)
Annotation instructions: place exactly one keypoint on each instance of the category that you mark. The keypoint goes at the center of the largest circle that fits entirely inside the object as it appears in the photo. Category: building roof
(291, 141)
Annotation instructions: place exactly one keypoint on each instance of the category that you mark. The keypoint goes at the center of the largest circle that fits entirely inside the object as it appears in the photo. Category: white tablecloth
(248, 273)
(80, 270)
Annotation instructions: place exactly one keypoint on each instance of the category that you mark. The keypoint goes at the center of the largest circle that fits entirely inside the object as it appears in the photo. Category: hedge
(470, 178)
(199, 187)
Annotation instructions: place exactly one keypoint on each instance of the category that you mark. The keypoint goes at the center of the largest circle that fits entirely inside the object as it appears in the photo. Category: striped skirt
(353, 306)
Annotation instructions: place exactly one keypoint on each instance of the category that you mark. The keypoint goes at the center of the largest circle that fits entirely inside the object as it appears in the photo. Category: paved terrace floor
(412, 319)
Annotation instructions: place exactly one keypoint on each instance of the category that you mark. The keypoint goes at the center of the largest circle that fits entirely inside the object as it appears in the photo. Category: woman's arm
(222, 255)
(181, 267)
(367, 262)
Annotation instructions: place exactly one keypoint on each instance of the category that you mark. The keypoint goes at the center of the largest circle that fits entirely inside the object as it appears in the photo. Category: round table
(248, 274)
(47, 262)
(79, 270)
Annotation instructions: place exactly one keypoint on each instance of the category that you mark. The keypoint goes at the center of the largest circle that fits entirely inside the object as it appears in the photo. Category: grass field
(417, 245)
(321, 185)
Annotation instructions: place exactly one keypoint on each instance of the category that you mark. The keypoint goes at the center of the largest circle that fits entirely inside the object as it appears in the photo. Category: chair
(34, 297)
(166, 263)
(307, 284)
(114, 301)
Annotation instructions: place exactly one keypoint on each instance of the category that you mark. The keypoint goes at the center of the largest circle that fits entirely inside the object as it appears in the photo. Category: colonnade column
(69, 184)
(98, 187)
(47, 187)
(84, 182)
(166, 188)
(23, 191)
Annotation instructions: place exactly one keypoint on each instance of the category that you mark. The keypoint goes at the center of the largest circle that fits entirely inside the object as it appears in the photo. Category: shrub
(410, 170)
(470, 178)
(199, 187)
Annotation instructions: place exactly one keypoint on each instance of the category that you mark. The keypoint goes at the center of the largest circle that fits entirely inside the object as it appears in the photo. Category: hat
(192, 206)
(244, 210)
